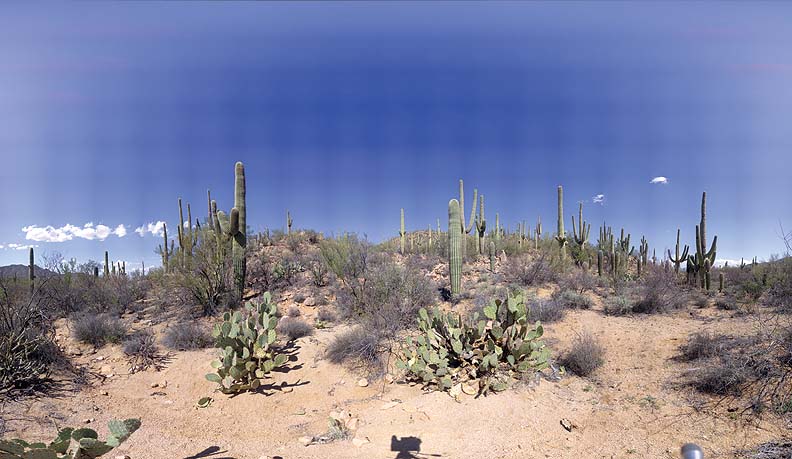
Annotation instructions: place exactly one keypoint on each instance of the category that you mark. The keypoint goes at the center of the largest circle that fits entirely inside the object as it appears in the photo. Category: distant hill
(21, 271)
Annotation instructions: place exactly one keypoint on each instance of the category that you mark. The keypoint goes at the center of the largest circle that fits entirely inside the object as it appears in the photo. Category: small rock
(305, 441)
(389, 405)
(104, 392)
(352, 424)
(287, 389)
(88, 421)
(566, 424)
(122, 457)
(358, 442)
(163, 384)
(389, 378)
(363, 382)
(310, 301)
(154, 385)
(100, 358)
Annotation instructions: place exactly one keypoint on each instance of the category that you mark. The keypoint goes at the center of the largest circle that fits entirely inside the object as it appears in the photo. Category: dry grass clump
(585, 356)
(187, 336)
(294, 328)
(98, 330)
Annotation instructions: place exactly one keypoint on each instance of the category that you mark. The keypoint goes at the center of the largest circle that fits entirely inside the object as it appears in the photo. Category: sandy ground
(631, 407)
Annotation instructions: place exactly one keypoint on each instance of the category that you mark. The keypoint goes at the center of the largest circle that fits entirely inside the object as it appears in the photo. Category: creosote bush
(98, 330)
(529, 270)
(359, 348)
(294, 328)
(187, 336)
(658, 292)
(142, 350)
(585, 356)
(572, 300)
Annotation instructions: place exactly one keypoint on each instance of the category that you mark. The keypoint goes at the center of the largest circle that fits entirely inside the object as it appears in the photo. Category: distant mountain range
(21, 271)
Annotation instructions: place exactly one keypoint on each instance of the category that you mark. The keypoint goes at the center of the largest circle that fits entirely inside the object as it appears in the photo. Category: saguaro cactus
(234, 226)
(31, 271)
(455, 235)
(492, 256)
(481, 227)
(677, 261)
(599, 263)
(561, 236)
(704, 259)
(537, 233)
(402, 234)
(497, 234)
(582, 236)
(289, 222)
(163, 248)
(720, 282)
(464, 230)
(107, 264)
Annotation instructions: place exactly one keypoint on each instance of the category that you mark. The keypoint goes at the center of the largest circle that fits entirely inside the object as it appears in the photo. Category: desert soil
(633, 406)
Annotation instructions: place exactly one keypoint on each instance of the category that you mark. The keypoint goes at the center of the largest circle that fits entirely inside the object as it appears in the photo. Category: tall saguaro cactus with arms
(234, 226)
(679, 257)
(704, 259)
(561, 236)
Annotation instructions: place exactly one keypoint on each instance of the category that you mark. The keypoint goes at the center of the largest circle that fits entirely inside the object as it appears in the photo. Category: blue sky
(346, 112)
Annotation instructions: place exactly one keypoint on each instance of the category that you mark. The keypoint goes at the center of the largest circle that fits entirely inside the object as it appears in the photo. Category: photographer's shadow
(408, 448)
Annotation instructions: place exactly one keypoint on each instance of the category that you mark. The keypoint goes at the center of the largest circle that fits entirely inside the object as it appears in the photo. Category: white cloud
(155, 229)
(120, 231)
(661, 180)
(20, 246)
(69, 232)
(598, 199)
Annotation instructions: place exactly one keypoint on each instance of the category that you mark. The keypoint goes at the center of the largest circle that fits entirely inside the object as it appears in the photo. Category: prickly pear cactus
(484, 353)
(71, 443)
(247, 340)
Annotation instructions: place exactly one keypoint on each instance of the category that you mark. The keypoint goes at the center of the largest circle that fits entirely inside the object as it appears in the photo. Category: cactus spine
(677, 261)
(704, 259)
(455, 237)
(402, 234)
(31, 271)
(561, 236)
(464, 230)
(234, 226)
(481, 227)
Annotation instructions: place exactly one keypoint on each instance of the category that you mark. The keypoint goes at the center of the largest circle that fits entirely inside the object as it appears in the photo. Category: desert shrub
(293, 311)
(703, 345)
(187, 336)
(769, 450)
(658, 292)
(318, 269)
(294, 328)
(545, 311)
(201, 282)
(359, 347)
(723, 376)
(448, 347)
(270, 273)
(618, 305)
(527, 270)
(98, 330)
(27, 348)
(247, 340)
(585, 356)
(727, 304)
(326, 315)
(387, 297)
(578, 280)
(572, 300)
(142, 350)
(780, 284)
